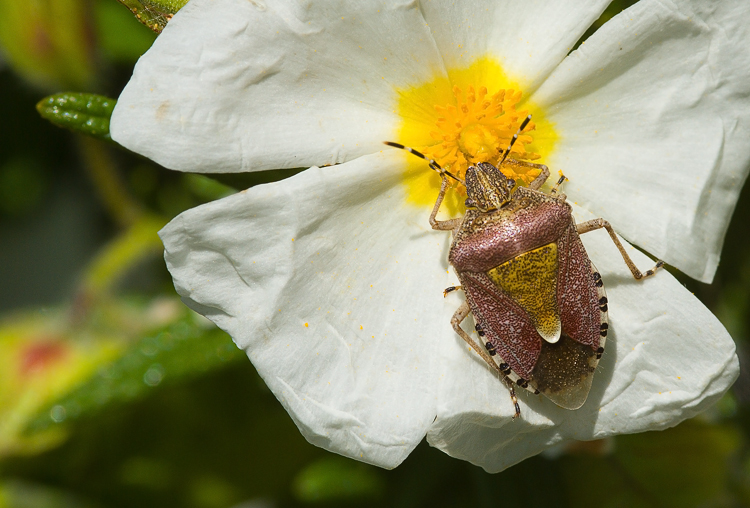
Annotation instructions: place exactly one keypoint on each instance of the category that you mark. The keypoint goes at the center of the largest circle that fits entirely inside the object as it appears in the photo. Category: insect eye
(469, 203)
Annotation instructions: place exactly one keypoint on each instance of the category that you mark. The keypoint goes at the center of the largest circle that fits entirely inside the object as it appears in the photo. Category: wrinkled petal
(331, 283)
(244, 86)
(230, 82)
(654, 110)
(528, 39)
(667, 358)
(332, 280)
(337, 301)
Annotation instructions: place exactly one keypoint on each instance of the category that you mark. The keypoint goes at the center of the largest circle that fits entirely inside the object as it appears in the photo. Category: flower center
(478, 128)
(465, 116)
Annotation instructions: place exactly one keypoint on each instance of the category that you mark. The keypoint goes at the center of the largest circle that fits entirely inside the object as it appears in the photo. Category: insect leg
(558, 184)
(594, 224)
(537, 182)
(461, 313)
(450, 290)
(513, 397)
(445, 225)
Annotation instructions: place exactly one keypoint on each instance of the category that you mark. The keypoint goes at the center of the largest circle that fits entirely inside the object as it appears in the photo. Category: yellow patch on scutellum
(530, 279)
(467, 117)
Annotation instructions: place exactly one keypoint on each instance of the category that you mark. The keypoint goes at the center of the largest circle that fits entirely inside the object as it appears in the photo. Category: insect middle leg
(595, 224)
(537, 182)
(557, 186)
(461, 313)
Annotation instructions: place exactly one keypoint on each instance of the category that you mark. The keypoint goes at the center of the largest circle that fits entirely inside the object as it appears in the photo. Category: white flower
(332, 280)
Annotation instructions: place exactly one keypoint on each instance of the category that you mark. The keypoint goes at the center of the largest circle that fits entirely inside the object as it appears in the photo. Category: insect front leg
(537, 182)
(444, 225)
(461, 313)
(595, 224)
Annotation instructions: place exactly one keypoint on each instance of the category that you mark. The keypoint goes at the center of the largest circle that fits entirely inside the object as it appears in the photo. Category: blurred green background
(113, 394)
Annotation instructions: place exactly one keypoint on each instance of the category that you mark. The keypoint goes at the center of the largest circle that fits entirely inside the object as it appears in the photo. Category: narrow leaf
(81, 112)
(155, 14)
(186, 348)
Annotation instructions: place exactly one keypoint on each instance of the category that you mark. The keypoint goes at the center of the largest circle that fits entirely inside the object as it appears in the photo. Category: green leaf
(186, 348)
(42, 360)
(155, 14)
(81, 112)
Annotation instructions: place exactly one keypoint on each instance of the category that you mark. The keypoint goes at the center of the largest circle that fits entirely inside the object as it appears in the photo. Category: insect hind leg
(461, 313)
(450, 289)
(595, 224)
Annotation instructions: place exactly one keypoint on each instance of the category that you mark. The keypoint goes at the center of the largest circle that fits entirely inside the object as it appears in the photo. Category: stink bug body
(538, 302)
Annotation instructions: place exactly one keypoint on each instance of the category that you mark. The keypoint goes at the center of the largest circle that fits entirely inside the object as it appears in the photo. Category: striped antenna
(434, 165)
(515, 138)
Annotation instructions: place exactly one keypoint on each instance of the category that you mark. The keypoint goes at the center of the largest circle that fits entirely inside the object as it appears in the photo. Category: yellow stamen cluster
(478, 128)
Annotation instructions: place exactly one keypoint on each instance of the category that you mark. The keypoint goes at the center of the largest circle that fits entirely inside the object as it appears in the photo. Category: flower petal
(237, 85)
(331, 286)
(529, 39)
(667, 358)
(653, 112)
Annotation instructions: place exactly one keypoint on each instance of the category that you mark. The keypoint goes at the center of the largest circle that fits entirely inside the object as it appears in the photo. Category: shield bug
(538, 301)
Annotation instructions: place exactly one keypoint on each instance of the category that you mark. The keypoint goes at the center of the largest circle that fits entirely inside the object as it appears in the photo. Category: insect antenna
(434, 165)
(515, 138)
